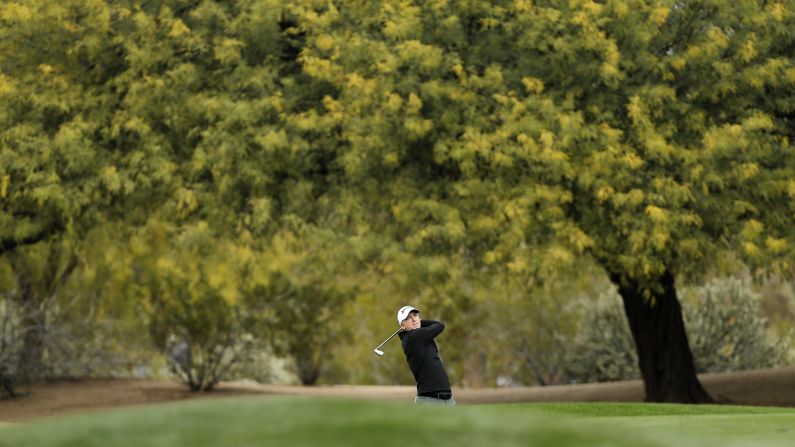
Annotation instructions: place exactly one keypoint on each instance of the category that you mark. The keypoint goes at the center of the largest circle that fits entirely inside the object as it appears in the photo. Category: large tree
(184, 114)
(653, 136)
(54, 171)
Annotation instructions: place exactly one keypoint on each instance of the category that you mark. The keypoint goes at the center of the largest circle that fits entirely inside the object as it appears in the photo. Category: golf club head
(377, 351)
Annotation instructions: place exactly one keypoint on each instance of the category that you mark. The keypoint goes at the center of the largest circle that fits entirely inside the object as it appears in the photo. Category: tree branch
(11, 244)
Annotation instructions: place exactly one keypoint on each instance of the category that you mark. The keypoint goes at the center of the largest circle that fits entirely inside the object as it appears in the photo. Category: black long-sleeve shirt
(422, 355)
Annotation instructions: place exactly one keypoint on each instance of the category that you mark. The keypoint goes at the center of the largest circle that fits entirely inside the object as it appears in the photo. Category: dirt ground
(773, 387)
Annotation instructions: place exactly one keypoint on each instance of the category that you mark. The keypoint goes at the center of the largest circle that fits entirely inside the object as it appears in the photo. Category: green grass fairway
(299, 421)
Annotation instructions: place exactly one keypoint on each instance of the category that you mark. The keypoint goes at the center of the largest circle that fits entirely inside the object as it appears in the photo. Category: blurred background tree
(526, 136)
(224, 172)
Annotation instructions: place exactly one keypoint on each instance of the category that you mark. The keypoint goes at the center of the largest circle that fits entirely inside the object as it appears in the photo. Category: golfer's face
(411, 322)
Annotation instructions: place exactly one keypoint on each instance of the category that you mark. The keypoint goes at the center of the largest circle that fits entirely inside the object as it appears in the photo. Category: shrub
(305, 327)
(604, 349)
(71, 346)
(726, 329)
(201, 335)
(724, 326)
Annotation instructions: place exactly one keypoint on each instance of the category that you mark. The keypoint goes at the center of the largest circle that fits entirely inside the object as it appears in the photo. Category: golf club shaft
(390, 337)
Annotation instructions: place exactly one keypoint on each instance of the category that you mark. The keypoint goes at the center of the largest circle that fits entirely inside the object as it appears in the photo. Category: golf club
(379, 352)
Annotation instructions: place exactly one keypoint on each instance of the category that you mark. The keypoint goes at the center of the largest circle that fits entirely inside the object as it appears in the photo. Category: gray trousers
(425, 400)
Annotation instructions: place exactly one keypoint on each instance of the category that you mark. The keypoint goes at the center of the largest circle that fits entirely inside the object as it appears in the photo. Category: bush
(726, 329)
(306, 326)
(724, 326)
(201, 336)
(604, 349)
(536, 330)
(191, 288)
(261, 365)
(71, 346)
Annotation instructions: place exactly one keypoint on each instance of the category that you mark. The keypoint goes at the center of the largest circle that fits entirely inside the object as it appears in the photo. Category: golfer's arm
(429, 323)
(428, 330)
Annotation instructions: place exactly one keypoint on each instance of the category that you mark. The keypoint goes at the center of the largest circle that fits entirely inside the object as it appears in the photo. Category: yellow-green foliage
(642, 133)
(406, 143)
(190, 288)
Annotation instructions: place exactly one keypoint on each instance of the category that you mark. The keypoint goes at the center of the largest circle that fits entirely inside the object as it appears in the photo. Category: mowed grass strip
(304, 421)
(612, 409)
(698, 425)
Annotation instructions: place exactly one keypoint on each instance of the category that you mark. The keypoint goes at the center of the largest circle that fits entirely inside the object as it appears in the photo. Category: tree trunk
(32, 324)
(307, 367)
(7, 382)
(664, 356)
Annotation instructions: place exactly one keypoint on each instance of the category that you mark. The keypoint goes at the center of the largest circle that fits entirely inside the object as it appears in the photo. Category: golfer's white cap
(404, 312)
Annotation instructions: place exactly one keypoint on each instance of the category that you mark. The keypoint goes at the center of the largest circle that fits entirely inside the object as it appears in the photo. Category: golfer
(417, 336)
